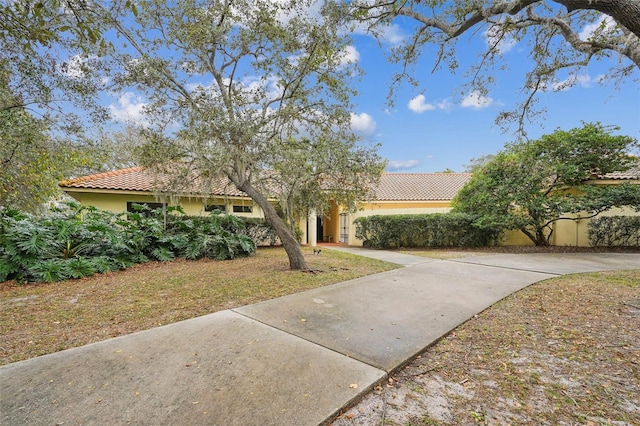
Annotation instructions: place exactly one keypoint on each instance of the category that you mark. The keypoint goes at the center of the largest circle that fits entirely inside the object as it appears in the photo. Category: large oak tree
(255, 91)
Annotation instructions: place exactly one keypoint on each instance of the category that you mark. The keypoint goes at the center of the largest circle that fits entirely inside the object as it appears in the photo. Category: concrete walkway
(296, 360)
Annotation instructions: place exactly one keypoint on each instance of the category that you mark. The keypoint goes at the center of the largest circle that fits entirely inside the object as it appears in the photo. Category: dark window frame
(212, 207)
(242, 209)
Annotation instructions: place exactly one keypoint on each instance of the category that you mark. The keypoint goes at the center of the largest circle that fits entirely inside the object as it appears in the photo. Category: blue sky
(433, 127)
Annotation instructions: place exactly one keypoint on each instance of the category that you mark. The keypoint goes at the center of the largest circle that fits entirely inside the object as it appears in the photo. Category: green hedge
(75, 241)
(614, 231)
(426, 230)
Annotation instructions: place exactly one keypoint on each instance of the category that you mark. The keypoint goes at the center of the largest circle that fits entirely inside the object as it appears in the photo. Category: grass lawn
(37, 319)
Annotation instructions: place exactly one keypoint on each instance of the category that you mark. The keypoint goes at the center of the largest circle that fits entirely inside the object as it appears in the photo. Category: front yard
(37, 319)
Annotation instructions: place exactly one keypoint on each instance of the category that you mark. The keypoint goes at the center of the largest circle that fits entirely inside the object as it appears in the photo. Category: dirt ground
(562, 352)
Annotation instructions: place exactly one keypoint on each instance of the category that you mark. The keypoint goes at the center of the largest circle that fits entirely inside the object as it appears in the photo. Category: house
(398, 193)
(118, 190)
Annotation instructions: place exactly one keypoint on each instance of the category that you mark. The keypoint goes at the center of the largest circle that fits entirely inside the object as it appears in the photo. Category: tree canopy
(530, 185)
(48, 95)
(255, 91)
(32, 161)
(562, 36)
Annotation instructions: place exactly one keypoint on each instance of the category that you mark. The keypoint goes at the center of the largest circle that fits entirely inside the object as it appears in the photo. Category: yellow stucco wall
(116, 202)
(572, 231)
(515, 238)
(565, 233)
(575, 232)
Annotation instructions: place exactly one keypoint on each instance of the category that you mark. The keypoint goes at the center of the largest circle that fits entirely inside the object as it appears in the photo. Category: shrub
(425, 230)
(614, 231)
(74, 241)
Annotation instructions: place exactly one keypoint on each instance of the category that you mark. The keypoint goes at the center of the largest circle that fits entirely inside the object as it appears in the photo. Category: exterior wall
(570, 232)
(116, 202)
(575, 232)
(331, 224)
(565, 232)
(515, 238)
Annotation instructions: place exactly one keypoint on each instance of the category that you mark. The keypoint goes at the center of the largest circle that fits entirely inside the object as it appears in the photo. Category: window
(242, 209)
(212, 207)
(151, 206)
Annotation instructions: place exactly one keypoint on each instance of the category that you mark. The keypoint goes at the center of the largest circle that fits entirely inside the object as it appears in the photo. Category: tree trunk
(541, 239)
(538, 237)
(625, 12)
(289, 242)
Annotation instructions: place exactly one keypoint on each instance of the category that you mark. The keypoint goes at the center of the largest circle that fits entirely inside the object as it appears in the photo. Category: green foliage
(260, 231)
(427, 230)
(615, 231)
(275, 120)
(530, 185)
(75, 241)
(30, 163)
(48, 93)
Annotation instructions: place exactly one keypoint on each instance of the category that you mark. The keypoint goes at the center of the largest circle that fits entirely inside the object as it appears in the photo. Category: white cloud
(605, 26)
(392, 34)
(496, 38)
(476, 100)
(394, 166)
(130, 108)
(445, 104)
(419, 105)
(76, 66)
(585, 81)
(350, 55)
(363, 124)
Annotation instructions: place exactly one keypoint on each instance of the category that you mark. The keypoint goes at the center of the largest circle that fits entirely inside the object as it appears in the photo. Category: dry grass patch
(563, 351)
(445, 254)
(45, 318)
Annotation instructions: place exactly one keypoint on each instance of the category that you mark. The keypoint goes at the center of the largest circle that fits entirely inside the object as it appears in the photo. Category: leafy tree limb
(564, 36)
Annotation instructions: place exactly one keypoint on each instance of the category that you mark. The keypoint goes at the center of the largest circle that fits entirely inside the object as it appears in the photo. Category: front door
(319, 229)
(344, 228)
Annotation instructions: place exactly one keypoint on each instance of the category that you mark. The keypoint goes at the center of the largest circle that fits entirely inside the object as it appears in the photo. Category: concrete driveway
(296, 360)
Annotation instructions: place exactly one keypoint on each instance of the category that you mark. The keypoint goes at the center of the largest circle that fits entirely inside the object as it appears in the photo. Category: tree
(47, 94)
(113, 149)
(564, 36)
(31, 162)
(48, 51)
(478, 163)
(258, 92)
(46, 22)
(530, 185)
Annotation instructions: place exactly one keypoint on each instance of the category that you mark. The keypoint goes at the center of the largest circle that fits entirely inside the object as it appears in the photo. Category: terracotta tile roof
(139, 179)
(393, 186)
(420, 186)
(633, 174)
